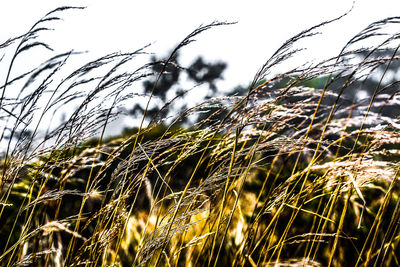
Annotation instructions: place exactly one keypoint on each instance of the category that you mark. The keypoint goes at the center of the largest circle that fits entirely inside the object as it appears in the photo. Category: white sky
(127, 25)
(118, 25)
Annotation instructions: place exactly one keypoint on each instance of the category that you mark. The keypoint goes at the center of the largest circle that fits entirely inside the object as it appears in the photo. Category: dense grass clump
(293, 172)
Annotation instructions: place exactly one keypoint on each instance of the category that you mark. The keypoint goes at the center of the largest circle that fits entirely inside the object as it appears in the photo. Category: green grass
(293, 173)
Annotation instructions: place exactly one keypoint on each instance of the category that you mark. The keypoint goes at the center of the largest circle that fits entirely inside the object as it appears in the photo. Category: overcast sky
(109, 26)
(127, 25)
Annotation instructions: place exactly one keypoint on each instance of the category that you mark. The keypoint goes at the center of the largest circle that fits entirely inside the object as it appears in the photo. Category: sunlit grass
(282, 175)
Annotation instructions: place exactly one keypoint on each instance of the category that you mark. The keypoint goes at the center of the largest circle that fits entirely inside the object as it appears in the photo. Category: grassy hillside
(293, 172)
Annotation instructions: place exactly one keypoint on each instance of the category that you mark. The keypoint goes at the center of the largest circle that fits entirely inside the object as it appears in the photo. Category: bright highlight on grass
(298, 170)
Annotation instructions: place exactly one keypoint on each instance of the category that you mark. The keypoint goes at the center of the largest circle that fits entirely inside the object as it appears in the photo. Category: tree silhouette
(165, 84)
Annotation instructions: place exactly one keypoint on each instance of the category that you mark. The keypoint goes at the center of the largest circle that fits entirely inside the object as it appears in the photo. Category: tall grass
(283, 175)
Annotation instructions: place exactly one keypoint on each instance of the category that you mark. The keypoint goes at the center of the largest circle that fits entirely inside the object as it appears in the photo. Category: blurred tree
(164, 85)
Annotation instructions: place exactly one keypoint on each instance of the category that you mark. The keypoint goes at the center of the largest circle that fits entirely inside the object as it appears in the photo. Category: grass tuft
(294, 172)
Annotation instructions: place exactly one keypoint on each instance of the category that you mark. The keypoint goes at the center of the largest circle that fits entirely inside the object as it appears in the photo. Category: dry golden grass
(284, 175)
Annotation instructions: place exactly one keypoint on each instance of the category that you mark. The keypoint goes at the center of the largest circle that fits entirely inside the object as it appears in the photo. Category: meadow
(295, 170)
